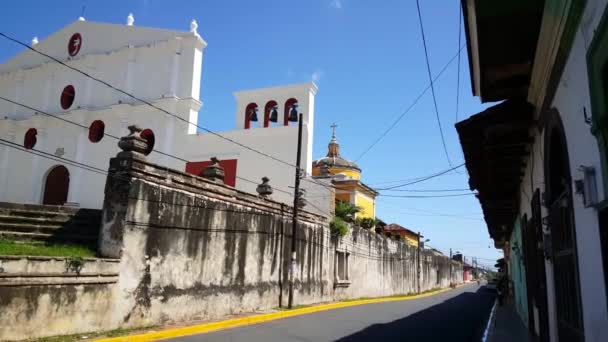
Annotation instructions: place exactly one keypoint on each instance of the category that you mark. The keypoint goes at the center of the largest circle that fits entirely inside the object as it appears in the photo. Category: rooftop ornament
(264, 189)
(130, 19)
(214, 172)
(194, 27)
(133, 145)
(34, 41)
(81, 19)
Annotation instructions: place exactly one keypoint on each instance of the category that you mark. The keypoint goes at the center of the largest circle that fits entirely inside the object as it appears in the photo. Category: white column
(76, 175)
(4, 165)
(37, 174)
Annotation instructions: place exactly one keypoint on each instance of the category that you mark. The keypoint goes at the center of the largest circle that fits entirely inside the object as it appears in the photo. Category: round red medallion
(74, 44)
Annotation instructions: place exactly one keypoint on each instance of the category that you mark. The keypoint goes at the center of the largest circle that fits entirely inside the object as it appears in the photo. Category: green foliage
(338, 227)
(346, 211)
(9, 247)
(397, 237)
(379, 223)
(365, 222)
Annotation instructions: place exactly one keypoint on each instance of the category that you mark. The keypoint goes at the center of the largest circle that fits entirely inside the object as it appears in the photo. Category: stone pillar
(118, 187)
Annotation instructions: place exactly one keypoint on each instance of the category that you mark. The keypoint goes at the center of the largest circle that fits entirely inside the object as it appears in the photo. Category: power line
(430, 190)
(410, 107)
(143, 101)
(428, 68)
(458, 68)
(154, 106)
(422, 179)
(427, 196)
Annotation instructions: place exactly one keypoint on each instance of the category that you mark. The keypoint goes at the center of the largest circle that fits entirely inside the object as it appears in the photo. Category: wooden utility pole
(450, 267)
(292, 268)
(418, 264)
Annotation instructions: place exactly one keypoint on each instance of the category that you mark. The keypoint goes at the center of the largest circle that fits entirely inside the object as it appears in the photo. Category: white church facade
(59, 127)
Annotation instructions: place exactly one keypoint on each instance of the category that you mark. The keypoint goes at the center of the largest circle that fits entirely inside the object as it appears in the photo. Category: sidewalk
(507, 325)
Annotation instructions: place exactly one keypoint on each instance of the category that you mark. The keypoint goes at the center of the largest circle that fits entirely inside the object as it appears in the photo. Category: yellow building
(346, 178)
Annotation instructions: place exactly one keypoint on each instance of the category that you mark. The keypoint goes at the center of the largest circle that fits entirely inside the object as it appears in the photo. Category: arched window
(96, 131)
(148, 135)
(29, 140)
(271, 113)
(67, 97)
(251, 114)
(290, 112)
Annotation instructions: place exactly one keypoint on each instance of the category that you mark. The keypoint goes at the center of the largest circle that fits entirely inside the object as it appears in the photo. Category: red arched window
(250, 114)
(148, 134)
(96, 131)
(267, 113)
(289, 105)
(67, 97)
(29, 140)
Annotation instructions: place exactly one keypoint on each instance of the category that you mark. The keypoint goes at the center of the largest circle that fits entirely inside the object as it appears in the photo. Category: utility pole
(450, 267)
(292, 268)
(418, 264)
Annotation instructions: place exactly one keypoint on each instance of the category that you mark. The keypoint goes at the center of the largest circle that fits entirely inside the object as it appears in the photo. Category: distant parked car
(492, 284)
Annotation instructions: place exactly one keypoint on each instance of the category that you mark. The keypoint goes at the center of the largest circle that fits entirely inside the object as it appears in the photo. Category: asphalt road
(454, 316)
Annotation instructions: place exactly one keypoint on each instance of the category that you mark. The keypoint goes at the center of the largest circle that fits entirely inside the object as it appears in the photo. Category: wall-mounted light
(587, 186)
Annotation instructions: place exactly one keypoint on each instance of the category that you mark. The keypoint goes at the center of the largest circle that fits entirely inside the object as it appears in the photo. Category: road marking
(255, 319)
(490, 319)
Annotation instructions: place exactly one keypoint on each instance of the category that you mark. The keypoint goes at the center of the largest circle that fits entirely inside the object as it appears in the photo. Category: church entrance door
(56, 186)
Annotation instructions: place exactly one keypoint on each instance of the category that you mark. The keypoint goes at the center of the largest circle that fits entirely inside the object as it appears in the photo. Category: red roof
(393, 227)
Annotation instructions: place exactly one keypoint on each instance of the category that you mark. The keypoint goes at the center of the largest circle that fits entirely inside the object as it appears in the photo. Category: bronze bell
(253, 115)
(293, 113)
(274, 115)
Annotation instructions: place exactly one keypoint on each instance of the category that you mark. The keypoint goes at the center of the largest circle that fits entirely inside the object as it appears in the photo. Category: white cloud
(316, 75)
(337, 4)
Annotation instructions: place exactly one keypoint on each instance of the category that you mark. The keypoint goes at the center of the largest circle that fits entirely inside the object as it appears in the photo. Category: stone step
(66, 238)
(83, 213)
(56, 220)
(49, 228)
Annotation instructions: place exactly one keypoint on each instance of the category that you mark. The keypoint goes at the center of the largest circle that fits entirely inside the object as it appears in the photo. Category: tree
(347, 211)
(366, 222)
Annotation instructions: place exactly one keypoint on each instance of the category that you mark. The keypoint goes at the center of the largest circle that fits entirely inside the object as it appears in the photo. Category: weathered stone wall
(191, 248)
(42, 296)
(188, 248)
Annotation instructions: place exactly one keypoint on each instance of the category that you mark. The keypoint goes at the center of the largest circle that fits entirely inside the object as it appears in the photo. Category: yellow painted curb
(238, 322)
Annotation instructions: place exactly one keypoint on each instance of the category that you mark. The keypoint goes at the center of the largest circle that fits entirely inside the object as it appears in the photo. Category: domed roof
(333, 158)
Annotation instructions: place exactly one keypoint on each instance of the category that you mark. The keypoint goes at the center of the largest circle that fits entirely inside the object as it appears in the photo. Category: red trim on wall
(288, 105)
(74, 44)
(229, 165)
(247, 115)
(29, 139)
(267, 110)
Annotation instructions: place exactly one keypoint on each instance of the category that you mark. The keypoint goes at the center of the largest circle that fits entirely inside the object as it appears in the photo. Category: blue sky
(367, 59)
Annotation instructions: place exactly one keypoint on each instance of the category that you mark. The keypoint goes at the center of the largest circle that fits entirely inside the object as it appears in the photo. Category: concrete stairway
(49, 223)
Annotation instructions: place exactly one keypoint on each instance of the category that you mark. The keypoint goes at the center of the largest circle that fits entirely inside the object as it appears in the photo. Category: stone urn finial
(264, 189)
(214, 172)
(133, 145)
(324, 169)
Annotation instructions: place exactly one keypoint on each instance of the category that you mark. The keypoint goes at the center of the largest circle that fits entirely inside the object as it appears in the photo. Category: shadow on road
(461, 318)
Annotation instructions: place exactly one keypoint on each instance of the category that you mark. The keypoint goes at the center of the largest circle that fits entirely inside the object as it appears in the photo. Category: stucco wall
(571, 99)
(42, 296)
(190, 248)
(187, 248)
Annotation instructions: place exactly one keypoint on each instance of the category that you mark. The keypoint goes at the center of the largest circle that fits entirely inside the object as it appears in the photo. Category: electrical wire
(408, 109)
(458, 67)
(156, 107)
(429, 190)
(428, 68)
(429, 196)
(441, 173)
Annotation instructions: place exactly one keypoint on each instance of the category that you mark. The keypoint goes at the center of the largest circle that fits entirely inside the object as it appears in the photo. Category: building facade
(345, 176)
(539, 156)
(61, 116)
